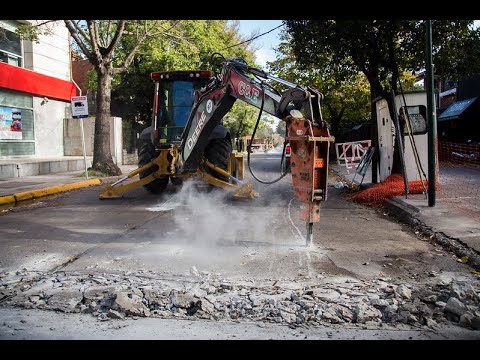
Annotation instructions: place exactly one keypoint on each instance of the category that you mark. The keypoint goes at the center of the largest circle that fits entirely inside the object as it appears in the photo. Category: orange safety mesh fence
(458, 182)
(390, 187)
(457, 153)
(459, 176)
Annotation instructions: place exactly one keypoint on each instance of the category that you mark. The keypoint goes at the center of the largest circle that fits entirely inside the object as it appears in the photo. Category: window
(10, 48)
(16, 124)
(176, 99)
(449, 85)
(418, 119)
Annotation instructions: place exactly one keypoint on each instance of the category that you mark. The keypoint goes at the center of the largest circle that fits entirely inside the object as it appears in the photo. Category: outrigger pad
(246, 191)
(109, 193)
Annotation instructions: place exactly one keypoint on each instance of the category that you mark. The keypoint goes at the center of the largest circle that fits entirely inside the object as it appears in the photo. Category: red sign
(20, 79)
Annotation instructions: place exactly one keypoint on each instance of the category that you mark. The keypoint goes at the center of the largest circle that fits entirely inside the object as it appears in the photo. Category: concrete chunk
(455, 306)
(130, 304)
(115, 314)
(404, 292)
(326, 294)
(184, 301)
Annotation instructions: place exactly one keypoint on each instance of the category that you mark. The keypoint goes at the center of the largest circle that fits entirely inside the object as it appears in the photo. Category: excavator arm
(298, 106)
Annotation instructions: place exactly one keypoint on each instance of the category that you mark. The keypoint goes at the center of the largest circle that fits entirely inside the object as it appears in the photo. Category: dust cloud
(206, 230)
(211, 217)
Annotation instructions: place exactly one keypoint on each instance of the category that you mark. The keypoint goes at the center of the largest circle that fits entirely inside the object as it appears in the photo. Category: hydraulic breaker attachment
(166, 166)
(310, 145)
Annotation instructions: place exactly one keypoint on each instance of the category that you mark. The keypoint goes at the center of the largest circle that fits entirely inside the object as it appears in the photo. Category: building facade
(35, 91)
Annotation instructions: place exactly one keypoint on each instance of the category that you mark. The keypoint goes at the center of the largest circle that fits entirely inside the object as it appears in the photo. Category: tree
(190, 47)
(346, 95)
(100, 42)
(110, 46)
(241, 120)
(382, 49)
(281, 129)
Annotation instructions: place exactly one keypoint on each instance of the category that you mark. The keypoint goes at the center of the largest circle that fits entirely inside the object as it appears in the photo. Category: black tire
(218, 153)
(146, 153)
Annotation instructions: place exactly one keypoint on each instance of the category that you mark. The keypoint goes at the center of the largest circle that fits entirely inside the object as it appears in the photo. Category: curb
(34, 194)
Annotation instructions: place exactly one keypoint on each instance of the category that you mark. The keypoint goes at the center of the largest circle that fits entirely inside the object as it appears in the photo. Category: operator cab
(173, 100)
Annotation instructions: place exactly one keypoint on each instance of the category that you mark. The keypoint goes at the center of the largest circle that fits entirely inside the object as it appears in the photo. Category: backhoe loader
(187, 138)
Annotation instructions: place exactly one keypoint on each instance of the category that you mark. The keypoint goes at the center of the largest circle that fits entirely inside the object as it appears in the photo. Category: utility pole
(431, 119)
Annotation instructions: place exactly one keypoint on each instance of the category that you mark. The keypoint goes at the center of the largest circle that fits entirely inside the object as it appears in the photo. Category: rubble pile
(320, 301)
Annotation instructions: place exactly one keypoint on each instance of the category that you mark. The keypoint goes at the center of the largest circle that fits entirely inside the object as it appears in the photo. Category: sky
(266, 43)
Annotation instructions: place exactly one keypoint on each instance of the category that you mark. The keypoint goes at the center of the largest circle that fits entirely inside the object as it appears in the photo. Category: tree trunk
(102, 155)
(335, 121)
(396, 163)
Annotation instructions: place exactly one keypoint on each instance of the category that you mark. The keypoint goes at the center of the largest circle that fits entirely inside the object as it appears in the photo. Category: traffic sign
(79, 107)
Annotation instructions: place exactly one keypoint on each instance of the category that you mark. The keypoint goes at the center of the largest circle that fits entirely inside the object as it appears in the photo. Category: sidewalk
(16, 185)
(449, 225)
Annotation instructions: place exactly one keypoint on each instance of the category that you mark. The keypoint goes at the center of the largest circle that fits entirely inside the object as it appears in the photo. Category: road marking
(168, 205)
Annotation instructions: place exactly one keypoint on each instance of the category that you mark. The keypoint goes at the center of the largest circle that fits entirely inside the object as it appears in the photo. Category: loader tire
(218, 152)
(146, 153)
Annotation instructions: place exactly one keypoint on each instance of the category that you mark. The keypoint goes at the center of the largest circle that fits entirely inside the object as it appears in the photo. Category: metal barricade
(350, 153)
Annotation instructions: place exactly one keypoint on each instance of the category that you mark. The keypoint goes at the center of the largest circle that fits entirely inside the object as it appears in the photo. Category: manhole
(15, 184)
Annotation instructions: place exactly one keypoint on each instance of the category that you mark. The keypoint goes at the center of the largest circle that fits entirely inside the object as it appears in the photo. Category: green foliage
(241, 120)
(188, 45)
(382, 49)
(92, 174)
(91, 78)
(346, 93)
(281, 128)
(33, 32)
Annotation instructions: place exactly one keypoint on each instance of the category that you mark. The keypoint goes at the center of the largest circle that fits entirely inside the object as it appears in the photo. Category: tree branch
(107, 33)
(174, 24)
(97, 35)
(44, 23)
(130, 56)
(116, 37)
(94, 43)
(80, 43)
(80, 30)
